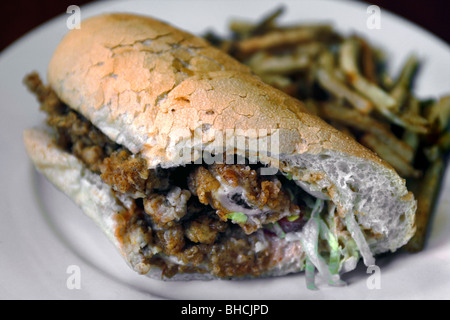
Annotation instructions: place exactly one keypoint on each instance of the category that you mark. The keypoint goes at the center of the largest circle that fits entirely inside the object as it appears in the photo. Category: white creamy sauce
(225, 194)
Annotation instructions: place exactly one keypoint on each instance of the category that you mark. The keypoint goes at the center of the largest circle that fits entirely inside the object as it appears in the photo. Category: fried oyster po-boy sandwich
(194, 168)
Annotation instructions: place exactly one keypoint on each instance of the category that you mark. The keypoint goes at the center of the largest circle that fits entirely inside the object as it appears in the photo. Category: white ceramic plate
(43, 234)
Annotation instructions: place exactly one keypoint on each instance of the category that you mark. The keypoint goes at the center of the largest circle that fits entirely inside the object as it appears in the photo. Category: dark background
(17, 17)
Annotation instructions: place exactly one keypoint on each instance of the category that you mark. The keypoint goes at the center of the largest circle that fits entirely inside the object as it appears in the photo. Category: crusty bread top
(152, 88)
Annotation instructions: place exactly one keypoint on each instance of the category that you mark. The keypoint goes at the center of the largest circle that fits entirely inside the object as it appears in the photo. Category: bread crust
(155, 88)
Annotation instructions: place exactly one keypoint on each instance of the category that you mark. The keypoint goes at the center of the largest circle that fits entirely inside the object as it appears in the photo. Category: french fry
(280, 82)
(439, 113)
(426, 199)
(326, 60)
(444, 142)
(341, 90)
(412, 140)
(276, 80)
(368, 64)
(439, 149)
(241, 29)
(413, 104)
(411, 121)
(267, 22)
(356, 120)
(432, 153)
(348, 57)
(282, 38)
(389, 155)
(245, 29)
(262, 63)
(383, 78)
(381, 99)
(401, 90)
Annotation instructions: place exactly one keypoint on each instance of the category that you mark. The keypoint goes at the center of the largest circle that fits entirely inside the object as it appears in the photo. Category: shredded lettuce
(310, 275)
(330, 249)
(329, 233)
(276, 228)
(288, 175)
(358, 236)
(293, 218)
(348, 250)
(335, 254)
(237, 217)
(309, 202)
(309, 238)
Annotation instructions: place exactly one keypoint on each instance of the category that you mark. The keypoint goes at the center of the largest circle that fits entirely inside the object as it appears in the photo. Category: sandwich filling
(225, 219)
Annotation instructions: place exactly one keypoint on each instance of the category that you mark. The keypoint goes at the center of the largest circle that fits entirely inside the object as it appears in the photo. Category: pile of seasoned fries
(344, 80)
